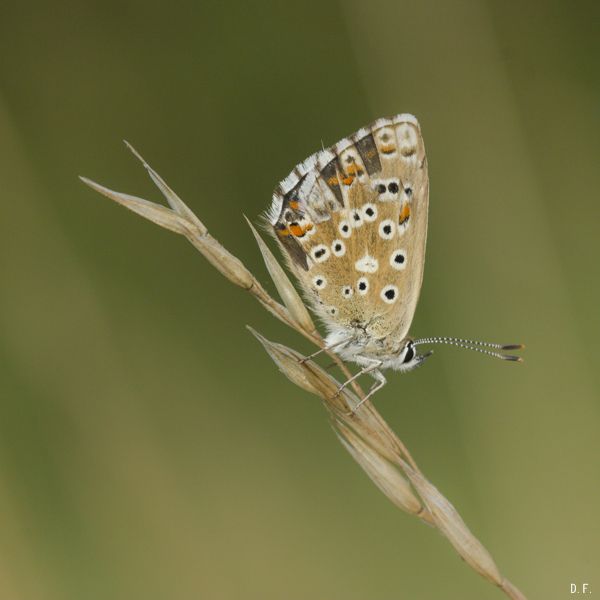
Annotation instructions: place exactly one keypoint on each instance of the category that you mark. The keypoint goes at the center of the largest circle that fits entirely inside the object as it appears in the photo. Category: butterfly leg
(321, 350)
(368, 369)
(380, 381)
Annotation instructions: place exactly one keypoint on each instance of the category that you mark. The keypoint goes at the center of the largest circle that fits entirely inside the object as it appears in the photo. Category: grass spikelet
(287, 292)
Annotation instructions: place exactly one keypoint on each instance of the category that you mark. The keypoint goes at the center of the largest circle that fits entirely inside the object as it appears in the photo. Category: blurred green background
(148, 446)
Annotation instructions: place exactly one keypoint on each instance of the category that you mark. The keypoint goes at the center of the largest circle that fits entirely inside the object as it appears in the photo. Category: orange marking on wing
(294, 204)
(404, 214)
(354, 169)
(283, 232)
(348, 180)
(296, 230)
(388, 149)
(333, 181)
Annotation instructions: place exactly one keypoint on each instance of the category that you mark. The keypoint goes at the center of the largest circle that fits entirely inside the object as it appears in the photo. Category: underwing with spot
(352, 223)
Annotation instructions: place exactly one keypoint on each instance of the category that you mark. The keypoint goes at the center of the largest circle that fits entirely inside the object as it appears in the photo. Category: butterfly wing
(352, 221)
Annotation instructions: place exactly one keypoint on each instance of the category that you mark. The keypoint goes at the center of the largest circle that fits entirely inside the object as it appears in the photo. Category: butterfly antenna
(481, 347)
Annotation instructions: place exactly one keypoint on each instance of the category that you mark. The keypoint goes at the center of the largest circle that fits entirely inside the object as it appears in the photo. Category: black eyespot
(408, 191)
(393, 187)
(387, 229)
(345, 228)
(399, 258)
(338, 247)
(410, 354)
(381, 188)
(370, 212)
(356, 216)
(390, 294)
(319, 282)
(362, 286)
(319, 253)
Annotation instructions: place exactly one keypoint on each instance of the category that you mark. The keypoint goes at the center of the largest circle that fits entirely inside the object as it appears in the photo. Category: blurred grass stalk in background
(363, 432)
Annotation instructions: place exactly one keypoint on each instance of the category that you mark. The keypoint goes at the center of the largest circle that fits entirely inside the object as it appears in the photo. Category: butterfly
(351, 221)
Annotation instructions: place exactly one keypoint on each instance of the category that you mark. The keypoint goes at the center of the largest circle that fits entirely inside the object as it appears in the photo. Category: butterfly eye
(410, 353)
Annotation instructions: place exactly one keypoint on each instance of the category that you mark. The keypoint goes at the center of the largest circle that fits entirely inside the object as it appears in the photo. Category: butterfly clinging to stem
(352, 223)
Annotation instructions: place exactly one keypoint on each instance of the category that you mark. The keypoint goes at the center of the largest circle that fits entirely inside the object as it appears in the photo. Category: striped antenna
(476, 346)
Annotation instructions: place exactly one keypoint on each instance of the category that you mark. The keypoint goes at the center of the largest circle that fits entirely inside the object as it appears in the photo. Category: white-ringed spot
(407, 140)
(389, 294)
(356, 219)
(387, 229)
(369, 212)
(347, 291)
(320, 253)
(398, 259)
(344, 229)
(386, 142)
(338, 248)
(387, 189)
(367, 264)
(319, 282)
(362, 285)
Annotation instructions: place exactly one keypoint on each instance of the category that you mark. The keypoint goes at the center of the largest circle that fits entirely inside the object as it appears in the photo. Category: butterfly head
(408, 358)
